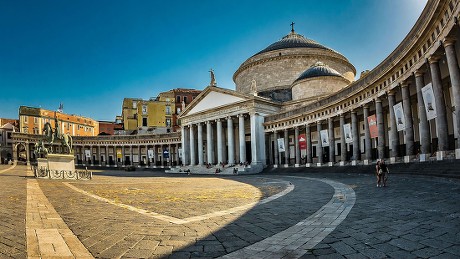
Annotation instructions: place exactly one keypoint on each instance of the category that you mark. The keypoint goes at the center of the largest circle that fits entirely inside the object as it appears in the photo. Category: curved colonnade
(428, 56)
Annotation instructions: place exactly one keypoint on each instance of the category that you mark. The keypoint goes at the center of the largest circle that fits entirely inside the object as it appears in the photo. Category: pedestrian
(384, 173)
(377, 172)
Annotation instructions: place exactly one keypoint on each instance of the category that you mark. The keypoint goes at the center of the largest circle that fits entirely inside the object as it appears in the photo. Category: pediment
(212, 99)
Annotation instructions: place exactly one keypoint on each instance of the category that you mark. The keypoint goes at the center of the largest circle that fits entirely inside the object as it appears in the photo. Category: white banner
(180, 152)
(347, 132)
(281, 147)
(324, 138)
(150, 153)
(88, 153)
(429, 101)
(399, 116)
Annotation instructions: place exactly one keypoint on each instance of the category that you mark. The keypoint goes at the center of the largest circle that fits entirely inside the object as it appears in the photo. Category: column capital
(217, 120)
(418, 73)
(391, 92)
(404, 84)
(366, 106)
(378, 100)
(241, 115)
(342, 115)
(318, 122)
(229, 118)
(208, 122)
(448, 41)
(353, 111)
(434, 59)
(199, 124)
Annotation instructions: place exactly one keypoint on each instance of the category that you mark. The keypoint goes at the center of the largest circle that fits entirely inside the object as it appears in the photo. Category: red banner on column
(302, 141)
(373, 130)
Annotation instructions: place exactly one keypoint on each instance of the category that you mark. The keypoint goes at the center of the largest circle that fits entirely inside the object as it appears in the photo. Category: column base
(457, 153)
(319, 164)
(392, 160)
(286, 165)
(296, 165)
(308, 165)
(275, 166)
(408, 159)
(440, 155)
(341, 163)
(354, 162)
(366, 162)
(424, 157)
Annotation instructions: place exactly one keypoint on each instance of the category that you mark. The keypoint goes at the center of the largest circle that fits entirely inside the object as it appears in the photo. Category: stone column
(200, 144)
(393, 133)
(139, 156)
(297, 146)
(319, 148)
(276, 151)
(147, 160)
(106, 155)
(154, 159)
(355, 133)
(220, 151)
(409, 131)
(381, 128)
(192, 146)
(123, 155)
(27, 153)
(177, 154)
(231, 141)
(286, 145)
(330, 124)
(441, 114)
(367, 135)
(242, 138)
(209, 143)
(170, 155)
(343, 146)
(454, 72)
(185, 146)
(309, 146)
(424, 126)
(257, 142)
(99, 155)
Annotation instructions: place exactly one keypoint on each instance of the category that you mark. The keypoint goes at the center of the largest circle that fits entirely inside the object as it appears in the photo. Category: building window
(25, 118)
(144, 109)
(134, 105)
(185, 99)
(168, 110)
(178, 110)
(35, 120)
(35, 130)
(168, 122)
(144, 122)
(178, 99)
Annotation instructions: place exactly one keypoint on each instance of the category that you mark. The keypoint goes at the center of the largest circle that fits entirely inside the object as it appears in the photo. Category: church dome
(293, 40)
(276, 67)
(317, 70)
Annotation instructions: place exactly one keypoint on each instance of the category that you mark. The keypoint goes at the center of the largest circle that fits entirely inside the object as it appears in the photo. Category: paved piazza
(146, 214)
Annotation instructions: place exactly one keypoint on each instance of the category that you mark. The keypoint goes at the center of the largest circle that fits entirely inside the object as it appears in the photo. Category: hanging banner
(302, 142)
(324, 138)
(373, 130)
(150, 153)
(165, 153)
(281, 147)
(180, 152)
(429, 101)
(399, 116)
(88, 153)
(347, 133)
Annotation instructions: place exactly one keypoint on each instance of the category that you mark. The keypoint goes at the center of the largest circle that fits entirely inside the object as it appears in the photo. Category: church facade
(296, 104)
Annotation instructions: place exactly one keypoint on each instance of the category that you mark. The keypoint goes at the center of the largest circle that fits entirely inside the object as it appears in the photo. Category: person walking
(377, 172)
(384, 172)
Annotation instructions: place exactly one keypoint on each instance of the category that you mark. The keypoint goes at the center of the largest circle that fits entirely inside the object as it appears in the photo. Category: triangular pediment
(212, 98)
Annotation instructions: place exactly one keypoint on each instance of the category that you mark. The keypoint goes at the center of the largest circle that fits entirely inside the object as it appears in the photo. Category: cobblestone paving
(12, 212)
(414, 217)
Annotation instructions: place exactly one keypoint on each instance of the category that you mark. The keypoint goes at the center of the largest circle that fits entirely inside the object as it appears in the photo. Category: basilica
(296, 103)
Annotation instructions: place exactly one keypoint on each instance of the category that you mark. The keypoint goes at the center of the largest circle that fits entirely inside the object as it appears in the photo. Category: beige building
(32, 120)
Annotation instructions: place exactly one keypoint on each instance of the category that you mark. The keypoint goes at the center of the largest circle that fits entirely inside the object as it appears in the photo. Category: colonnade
(115, 155)
(224, 140)
(421, 138)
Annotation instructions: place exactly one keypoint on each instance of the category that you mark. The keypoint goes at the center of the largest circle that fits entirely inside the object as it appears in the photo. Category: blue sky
(89, 55)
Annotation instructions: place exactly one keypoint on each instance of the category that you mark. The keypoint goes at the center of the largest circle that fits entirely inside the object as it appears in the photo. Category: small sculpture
(254, 87)
(213, 78)
(52, 135)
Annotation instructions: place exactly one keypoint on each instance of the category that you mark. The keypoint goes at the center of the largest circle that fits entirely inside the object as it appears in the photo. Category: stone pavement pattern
(12, 212)
(415, 217)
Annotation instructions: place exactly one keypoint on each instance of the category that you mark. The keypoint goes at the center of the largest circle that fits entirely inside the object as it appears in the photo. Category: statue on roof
(254, 87)
(213, 78)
